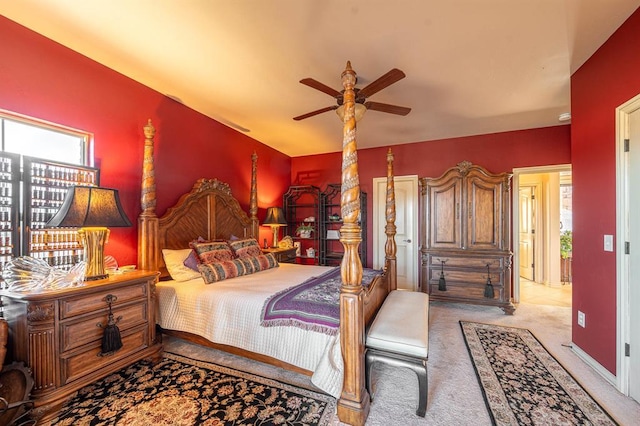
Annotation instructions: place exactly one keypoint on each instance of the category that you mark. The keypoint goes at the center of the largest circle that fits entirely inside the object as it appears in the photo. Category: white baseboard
(611, 378)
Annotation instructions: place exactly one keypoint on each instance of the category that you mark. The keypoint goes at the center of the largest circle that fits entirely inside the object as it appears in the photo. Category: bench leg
(418, 365)
(368, 365)
(423, 386)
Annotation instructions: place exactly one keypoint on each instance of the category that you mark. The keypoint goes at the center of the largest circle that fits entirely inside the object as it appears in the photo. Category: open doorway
(542, 235)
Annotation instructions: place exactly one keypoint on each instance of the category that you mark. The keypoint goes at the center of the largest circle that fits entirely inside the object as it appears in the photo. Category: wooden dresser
(465, 234)
(58, 333)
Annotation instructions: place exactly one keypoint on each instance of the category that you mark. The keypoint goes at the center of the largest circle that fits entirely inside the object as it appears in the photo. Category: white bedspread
(229, 312)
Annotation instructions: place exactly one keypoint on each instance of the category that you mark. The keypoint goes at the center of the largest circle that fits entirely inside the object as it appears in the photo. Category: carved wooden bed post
(148, 248)
(354, 403)
(253, 198)
(390, 248)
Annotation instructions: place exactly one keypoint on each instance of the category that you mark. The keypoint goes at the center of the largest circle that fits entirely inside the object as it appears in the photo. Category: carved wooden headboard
(209, 211)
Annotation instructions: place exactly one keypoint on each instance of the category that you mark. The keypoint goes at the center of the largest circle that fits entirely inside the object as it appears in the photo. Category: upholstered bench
(399, 336)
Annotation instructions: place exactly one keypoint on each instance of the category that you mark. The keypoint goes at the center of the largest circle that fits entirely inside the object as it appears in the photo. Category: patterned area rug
(523, 384)
(181, 391)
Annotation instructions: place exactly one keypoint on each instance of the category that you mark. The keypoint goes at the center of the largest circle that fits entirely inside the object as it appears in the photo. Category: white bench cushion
(402, 324)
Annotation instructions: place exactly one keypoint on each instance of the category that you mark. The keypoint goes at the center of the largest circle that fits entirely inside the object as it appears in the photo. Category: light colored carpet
(455, 397)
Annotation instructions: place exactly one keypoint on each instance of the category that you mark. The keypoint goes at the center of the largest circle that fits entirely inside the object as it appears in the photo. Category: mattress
(229, 312)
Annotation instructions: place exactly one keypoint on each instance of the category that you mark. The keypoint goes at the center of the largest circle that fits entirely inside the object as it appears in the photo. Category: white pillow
(174, 260)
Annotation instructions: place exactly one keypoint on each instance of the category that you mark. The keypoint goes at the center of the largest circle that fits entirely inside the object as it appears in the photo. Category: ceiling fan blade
(386, 80)
(320, 86)
(312, 113)
(391, 109)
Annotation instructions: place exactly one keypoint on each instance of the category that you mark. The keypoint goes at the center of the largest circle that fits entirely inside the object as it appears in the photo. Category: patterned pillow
(247, 247)
(262, 262)
(212, 251)
(218, 271)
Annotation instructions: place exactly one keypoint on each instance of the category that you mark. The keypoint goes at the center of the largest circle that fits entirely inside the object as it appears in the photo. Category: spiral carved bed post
(253, 197)
(148, 248)
(390, 248)
(353, 405)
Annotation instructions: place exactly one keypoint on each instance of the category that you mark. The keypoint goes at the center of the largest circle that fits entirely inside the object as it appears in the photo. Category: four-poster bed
(211, 212)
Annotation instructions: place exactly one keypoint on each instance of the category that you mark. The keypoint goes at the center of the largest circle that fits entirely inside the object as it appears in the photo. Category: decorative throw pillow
(174, 261)
(212, 251)
(218, 271)
(191, 261)
(247, 247)
(262, 262)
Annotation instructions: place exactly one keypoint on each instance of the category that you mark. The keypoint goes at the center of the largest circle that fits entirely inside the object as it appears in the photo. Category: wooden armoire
(465, 232)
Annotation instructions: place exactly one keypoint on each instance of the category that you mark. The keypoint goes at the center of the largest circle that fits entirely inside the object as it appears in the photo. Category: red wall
(42, 79)
(607, 80)
(497, 152)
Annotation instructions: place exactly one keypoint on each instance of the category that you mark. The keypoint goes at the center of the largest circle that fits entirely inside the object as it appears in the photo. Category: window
(35, 138)
(38, 162)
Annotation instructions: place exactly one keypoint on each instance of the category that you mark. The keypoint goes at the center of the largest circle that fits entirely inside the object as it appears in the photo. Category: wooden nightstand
(283, 255)
(58, 333)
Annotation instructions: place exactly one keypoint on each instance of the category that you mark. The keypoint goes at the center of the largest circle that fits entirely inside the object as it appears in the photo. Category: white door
(406, 189)
(526, 243)
(634, 254)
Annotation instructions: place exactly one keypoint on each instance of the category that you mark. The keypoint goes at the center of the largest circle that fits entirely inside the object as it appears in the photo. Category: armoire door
(444, 213)
(484, 218)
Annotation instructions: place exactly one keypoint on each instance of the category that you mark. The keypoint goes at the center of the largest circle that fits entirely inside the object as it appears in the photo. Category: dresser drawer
(463, 291)
(435, 261)
(87, 360)
(78, 305)
(288, 256)
(78, 332)
(457, 291)
(466, 276)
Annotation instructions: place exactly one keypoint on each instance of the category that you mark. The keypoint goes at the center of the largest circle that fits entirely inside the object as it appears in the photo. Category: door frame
(623, 323)
(515, 223)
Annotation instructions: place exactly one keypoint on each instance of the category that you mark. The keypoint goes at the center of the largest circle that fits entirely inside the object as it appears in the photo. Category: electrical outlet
(582, 320)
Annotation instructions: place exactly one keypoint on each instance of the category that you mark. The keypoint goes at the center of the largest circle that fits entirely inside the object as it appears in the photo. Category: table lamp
(275, 219)
(93, 210)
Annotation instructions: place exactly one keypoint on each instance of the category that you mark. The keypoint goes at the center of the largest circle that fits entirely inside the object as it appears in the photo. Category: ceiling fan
(362, 104)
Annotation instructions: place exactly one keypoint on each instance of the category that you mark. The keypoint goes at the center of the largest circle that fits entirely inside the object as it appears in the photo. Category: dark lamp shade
(275, 216)
(86, 206)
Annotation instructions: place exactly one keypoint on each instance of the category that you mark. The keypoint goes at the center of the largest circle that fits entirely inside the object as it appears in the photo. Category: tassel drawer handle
(442, 282)
(111, 339)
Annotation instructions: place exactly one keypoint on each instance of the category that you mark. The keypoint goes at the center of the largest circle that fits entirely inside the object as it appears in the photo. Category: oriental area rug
(523, 384)
(182, 391)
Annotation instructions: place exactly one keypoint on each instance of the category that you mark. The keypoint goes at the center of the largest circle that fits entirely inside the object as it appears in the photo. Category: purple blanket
(313, 305)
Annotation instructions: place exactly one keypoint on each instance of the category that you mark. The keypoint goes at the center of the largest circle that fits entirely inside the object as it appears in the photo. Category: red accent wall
(498, 152)
(607, 80)
(43, 79)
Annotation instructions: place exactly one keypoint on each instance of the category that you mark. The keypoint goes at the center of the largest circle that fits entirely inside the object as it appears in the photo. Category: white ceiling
(472, 66)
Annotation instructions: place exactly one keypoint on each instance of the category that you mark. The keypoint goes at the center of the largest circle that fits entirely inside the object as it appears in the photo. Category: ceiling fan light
(359, 112)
